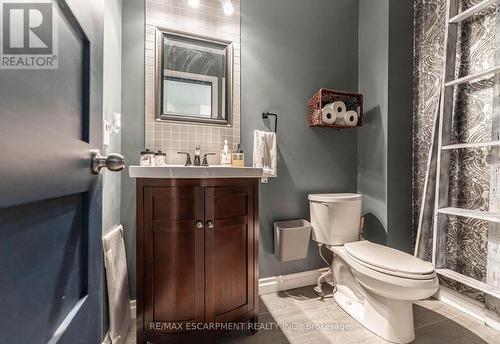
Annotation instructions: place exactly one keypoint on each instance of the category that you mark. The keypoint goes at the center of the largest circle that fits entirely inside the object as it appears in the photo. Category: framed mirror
(194, 78)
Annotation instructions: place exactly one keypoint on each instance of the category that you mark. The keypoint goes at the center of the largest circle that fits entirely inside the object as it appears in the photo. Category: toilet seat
(389, 272)
(388, 260)
(381, 279)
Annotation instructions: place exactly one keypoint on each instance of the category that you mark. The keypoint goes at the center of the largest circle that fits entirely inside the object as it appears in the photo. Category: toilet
(375, 284)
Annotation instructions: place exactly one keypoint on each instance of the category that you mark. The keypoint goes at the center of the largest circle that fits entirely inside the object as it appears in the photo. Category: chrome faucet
(188, 158)
(197, 157)
(205, 160)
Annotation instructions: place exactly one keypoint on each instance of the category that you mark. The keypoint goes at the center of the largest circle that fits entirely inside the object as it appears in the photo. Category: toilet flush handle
(321, 203)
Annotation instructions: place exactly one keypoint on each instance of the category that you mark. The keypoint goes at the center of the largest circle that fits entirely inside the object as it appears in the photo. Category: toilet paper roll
(332, 111)
(350, 118)
(329, 116)
(338, 107)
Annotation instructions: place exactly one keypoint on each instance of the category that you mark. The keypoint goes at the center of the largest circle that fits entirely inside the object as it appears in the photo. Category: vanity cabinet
(197, 256)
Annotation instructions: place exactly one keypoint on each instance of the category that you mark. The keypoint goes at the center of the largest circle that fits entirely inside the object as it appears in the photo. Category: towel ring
(265, 115)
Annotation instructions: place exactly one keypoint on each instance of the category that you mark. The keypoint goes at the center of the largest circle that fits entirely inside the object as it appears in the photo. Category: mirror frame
(159, 114)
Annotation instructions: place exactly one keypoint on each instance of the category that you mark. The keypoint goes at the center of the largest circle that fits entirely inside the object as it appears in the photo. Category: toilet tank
(335, 218)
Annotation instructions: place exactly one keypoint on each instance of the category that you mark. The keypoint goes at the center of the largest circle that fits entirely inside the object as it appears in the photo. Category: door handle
(210, 224)
(199, 224)
(113, 162)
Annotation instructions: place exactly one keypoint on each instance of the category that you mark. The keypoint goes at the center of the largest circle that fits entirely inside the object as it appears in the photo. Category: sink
(179, 171)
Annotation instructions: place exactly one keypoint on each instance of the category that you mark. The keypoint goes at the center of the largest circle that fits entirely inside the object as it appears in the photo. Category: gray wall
(399, 126)
(290, 49)
(132, 118)
(385, 142)
(112, 96)
(372, 138)
(111, 185)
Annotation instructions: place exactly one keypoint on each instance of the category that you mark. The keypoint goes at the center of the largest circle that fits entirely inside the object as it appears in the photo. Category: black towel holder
(265, 115)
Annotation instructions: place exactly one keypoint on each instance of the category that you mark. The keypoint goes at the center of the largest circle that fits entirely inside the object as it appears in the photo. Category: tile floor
(435, 322)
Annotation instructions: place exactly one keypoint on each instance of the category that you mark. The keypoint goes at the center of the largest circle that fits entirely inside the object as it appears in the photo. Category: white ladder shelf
(444, 146)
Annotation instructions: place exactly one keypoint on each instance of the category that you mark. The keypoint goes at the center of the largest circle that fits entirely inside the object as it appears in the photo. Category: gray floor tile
(425, 316)
(269, 332)
(297, 316)
(447, 331)
(439, 308)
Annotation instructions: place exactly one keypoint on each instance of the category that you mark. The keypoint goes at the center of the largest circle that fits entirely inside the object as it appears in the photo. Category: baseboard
(492, 320)
(463, 303)
(284, 282)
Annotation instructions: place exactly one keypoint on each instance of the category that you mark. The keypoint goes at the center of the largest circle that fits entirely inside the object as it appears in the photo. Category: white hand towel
(115, 263)
(265, 153)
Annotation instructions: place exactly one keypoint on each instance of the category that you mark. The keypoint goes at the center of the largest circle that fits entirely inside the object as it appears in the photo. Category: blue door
(50, 201)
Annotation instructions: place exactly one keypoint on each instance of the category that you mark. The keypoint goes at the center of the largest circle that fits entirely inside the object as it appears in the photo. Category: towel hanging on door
(115, 262)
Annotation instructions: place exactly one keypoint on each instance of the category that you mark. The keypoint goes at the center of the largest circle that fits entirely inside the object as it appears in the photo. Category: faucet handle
(205, 160)
(188, 158)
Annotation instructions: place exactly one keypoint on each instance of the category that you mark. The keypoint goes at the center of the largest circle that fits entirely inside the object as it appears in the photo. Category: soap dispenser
(225, 155)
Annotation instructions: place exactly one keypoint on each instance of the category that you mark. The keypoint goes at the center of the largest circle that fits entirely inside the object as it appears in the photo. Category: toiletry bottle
(160, 158)
(151, 157)
(146, 157)
(238, 157)
(225, 155)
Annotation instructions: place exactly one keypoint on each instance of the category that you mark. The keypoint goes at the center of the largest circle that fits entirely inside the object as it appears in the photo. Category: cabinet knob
(210, 224)
(199, 224)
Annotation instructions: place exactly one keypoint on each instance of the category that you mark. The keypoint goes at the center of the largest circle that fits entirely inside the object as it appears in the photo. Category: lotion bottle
(225, 155)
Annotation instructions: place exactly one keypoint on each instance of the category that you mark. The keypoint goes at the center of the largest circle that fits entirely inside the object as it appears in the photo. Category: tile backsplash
(206, 20)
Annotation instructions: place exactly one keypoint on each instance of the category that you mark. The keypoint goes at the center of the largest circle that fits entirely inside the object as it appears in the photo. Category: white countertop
(179, 171)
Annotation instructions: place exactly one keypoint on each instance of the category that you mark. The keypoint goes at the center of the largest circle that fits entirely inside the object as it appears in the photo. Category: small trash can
(291, 239)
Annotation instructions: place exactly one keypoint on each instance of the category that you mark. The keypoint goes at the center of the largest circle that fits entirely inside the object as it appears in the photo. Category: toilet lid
(388, 258)
(334, 197)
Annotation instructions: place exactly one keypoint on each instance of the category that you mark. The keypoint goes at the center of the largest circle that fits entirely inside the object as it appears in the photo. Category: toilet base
(388, 318)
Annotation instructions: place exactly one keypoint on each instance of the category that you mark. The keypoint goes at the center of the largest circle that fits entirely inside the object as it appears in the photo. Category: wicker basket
(353, 101)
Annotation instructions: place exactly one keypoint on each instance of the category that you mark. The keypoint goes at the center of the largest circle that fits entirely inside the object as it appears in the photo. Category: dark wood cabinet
(173, 255)
(197, 256)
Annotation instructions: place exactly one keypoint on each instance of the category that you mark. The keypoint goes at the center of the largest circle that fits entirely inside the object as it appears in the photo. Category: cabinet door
(228, 252)
(174, 257)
